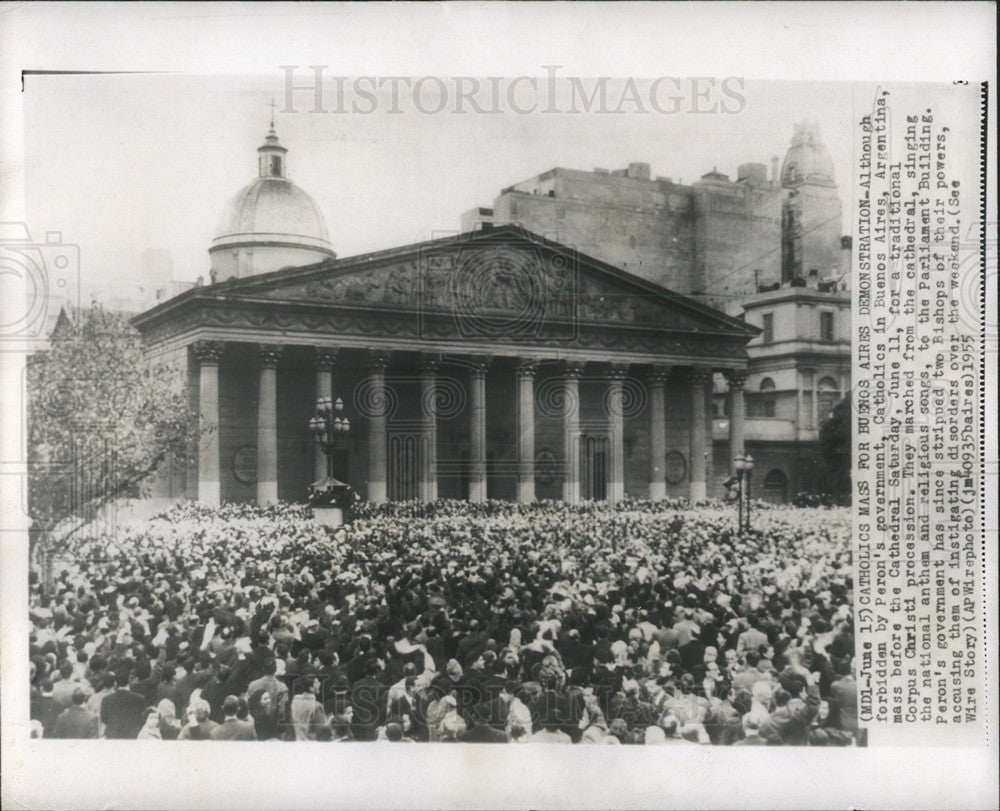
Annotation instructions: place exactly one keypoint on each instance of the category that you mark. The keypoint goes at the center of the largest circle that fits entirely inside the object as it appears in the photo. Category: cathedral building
(498, 363)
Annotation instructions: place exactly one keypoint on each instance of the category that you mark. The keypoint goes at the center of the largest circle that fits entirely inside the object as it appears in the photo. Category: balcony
(761, 430)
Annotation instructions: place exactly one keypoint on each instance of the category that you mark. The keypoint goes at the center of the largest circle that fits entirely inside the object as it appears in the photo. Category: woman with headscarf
(167, 720)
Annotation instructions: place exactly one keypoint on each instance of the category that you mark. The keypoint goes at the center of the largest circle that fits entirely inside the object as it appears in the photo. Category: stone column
(736, 379)
(698, 378)
(799, 407)
(477, 386)
(657, 433)
(378, 407)
(428, 434)
(326, 359)
(267, 424)
(615, 406)
(571, 431)
(526, 430)
(208, 354)
(815, 399)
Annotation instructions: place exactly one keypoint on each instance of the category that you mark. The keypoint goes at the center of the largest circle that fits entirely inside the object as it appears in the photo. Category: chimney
(774, 171)
(638, 171)
(754, 174)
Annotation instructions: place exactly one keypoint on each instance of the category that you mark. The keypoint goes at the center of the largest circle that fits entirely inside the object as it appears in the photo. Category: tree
(102, 417)
(835, 445)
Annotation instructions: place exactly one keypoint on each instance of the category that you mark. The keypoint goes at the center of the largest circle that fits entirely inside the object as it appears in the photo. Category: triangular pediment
(504, 275)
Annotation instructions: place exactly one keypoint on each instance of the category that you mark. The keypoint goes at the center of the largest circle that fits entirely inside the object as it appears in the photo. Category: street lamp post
(744, 468)
(748, 467)
(739, 463)
(329, 496)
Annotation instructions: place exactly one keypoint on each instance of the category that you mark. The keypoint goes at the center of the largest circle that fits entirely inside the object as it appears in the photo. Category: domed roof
(807, 160)
(271, 217)
(274, 207)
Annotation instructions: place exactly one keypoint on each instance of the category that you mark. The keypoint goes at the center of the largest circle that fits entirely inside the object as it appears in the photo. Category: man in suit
(272, 685)
(77, 721)
(232, 728)
(368, 703)
(844, 697)
(751, 731)
(481, 731)
(789, 723)
(122, 711)
(45, 709)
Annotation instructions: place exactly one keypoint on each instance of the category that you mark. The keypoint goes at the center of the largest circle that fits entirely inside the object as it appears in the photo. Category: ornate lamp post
(744, 469)
(738, 462)
(329, 496)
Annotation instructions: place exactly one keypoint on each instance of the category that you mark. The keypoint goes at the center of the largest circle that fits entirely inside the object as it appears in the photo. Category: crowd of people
(642, 623)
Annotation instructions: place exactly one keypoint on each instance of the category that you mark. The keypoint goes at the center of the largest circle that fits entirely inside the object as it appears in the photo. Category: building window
(776, 487)
(768, 328)
(826, 326)
(828, 395)
(762, 405)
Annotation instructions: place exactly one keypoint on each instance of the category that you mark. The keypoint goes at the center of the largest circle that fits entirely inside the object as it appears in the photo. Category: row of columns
(208, 355)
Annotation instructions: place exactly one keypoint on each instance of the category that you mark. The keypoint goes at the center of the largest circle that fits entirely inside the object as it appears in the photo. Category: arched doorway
(776, 487)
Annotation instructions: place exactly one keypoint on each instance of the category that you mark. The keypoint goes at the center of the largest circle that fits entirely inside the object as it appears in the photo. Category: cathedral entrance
(404, 465)
(596, 460)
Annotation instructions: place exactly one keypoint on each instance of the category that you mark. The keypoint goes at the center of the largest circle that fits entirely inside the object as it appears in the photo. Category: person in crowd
(307, 714)
(64, 688)
(265, 721)
(76, 721)
(232, 728)
(150, 726)
(44, 708)
(199, 724)
(751, 730)
(122, 710)
(169, 723)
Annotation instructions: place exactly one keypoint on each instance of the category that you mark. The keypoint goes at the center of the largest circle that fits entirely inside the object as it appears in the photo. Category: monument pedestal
(329, 516)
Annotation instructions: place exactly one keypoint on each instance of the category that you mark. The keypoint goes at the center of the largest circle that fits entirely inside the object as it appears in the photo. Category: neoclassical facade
(495, 364)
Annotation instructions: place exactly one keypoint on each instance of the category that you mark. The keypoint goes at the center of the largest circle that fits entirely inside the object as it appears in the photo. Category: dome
(807, 160)
(270, 224)
(277, 208)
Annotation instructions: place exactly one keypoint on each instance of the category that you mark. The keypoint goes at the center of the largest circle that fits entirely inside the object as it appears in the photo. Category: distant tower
(811, 216)
(270, 224)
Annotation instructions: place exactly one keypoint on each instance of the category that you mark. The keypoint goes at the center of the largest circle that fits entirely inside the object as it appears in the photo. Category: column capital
(378, 360)
(699, 375)
(658, 374)
(480, 364)
(735, 378)
(527, 367)
(326, 358)
(429, 361)
(617, 371)
(268, 355)
(573, 369)
(208, 353)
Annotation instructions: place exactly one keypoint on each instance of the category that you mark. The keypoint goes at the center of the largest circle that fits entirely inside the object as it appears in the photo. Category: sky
(122, 163)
